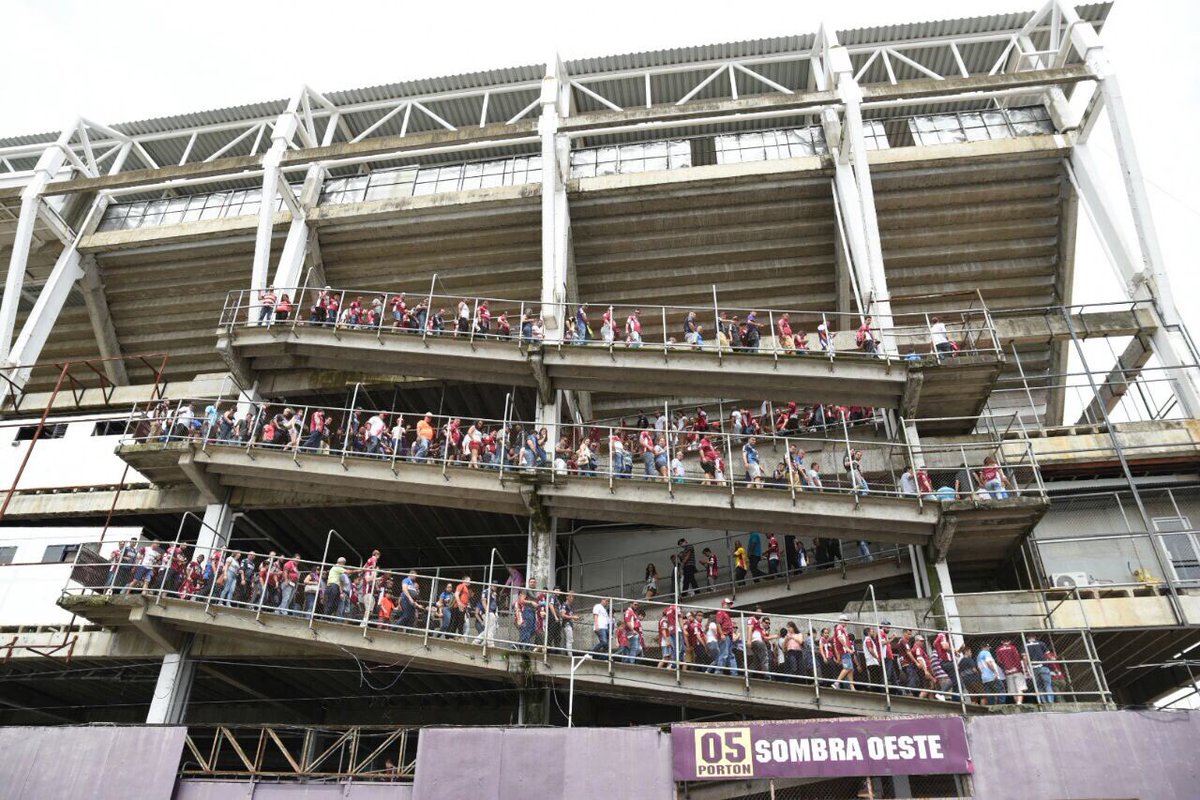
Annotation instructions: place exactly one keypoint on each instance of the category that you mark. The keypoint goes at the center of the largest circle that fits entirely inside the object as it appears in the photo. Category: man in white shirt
(941, 338)
(601, 625)
(814, 476)
(376, 426)
(908, 482)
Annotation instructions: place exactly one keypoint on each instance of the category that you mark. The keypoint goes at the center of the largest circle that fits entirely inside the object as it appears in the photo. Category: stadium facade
(481, 349)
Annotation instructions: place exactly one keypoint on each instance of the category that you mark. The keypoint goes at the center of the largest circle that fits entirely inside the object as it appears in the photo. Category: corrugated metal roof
(465, 111)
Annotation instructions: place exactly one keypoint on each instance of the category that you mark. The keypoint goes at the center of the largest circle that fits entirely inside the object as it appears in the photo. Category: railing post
(382, 317)
(664, 331)
(791, 467)
(745, 649)
(812, 649)
(492, 603)
(717, 323)
(546, 625)
(962, 694)
(970, 478)
(298, 306)
(437, 578)
(729, 467)
(474, 324)
(853, 473)
(446, 449)
(502, 449)
(611, 464)
(167, 565)
(348, 419)
(262, 595)
(612, 629)
(774, 337)
(428, 312)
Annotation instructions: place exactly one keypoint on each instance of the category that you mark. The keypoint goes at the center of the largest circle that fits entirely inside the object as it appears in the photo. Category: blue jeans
(528, 626)
(648, 463)
(634, 650)
(1044, 679)
(230, 588)
(289, 591)
(601, 642)
(310, 602)
(420, 449)
(725, 655)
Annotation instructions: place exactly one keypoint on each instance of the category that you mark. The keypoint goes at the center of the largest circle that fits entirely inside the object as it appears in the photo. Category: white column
(288, 275)
(218, 524)
(949, 601)
(543, 544)
(1141, 264)
(281, 136)
(556, 222)
(852, 180)
(169, 703)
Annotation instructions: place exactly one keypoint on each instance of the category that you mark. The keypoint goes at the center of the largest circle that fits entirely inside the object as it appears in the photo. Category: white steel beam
(67, 269)
(299, 235)
(856, 195)
(286, 128)
(1143, 267)
(49, 163)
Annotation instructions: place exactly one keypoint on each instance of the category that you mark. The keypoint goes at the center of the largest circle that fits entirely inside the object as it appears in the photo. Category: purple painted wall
(543, 764)
(1086, 755)
(190, 789)
(100, 763)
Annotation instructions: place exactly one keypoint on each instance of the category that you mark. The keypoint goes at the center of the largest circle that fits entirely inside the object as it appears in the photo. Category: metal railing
(718, 328)
(826, 652)
(992, 470)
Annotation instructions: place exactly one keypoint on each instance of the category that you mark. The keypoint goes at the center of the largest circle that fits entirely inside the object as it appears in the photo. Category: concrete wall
(102, 763)
(29, 589)
(1111, 754)
(76, 459)
(543, 763)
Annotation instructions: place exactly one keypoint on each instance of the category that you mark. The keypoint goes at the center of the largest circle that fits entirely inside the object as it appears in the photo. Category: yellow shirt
(739, 557)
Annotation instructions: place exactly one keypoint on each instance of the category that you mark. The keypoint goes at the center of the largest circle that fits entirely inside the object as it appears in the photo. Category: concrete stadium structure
(912, 173)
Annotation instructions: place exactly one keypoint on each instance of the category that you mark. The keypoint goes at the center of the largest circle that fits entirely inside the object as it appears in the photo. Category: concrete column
(289, 275)
(218, 524)
(556, 222)
(941, 572)
(543, 543)
(169, 703)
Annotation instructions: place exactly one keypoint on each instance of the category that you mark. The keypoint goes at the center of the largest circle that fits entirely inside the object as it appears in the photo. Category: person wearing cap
(633, 329)
(424, 437)
(843, 652)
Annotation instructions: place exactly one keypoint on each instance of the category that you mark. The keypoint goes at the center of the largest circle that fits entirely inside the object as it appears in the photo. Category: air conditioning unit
(1069, 580)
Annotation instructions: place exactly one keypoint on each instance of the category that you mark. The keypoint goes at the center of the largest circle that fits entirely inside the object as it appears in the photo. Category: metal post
(382, 317)
(612, 629)
(880, 650)
(671, 444)
(298, 306)
(812, 649)
(967, 469)
(437, 578)
(322, 573)
(962, 694)
(348, 419)
(664, 331)
(611, 465)
(850, 456)
(494, 598)
(428, 312)
(717, 321)
(167, 566)
(774, 337)
(474, 324)
(745, 649)
(262, 595)
(502, 449)
(792, 477)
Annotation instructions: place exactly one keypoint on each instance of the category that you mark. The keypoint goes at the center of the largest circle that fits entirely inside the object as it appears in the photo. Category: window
(60, 553)
(1180, 544)
(973, 126)
(52, 431)
(109, 427)
(7, 554)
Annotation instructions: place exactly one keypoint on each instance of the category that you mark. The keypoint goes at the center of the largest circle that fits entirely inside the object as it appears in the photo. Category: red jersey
(772, 547)
(841, 641)
(826, 647)
(632, 622)
(712, 566)
(724, 622)
(941, 646)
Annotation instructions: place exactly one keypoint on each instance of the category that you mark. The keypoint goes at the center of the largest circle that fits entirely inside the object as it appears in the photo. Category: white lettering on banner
(905, 748)
(782, 751)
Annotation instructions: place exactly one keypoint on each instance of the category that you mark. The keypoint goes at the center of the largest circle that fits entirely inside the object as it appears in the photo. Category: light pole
(575, 662)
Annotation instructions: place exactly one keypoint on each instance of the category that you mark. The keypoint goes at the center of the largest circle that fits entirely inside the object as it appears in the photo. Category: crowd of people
(681, 448)
(520, 615)
(396, 313)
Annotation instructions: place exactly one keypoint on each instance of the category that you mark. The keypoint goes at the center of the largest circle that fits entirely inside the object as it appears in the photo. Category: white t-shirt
(710, 633)
(939, 333)
(376, 426)
(814, 478)
(150, 558)
(600, 615)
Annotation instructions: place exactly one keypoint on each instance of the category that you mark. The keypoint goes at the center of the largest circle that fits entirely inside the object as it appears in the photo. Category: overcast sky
(121, 61)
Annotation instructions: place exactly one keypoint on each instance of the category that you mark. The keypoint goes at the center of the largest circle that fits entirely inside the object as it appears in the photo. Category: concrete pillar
(168, 706)
(949, 603)
(543, 544)
(218, 524)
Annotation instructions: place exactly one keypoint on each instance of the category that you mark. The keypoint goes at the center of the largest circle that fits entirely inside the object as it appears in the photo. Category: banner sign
(820, 748)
